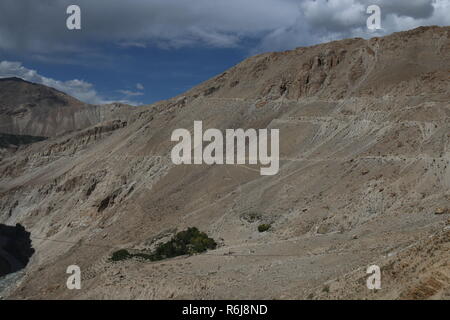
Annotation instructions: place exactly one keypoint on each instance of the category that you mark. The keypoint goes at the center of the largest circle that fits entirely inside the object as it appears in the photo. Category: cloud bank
(39, 26)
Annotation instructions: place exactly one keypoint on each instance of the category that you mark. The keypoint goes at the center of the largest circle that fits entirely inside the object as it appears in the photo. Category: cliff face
(407, 63)
(365, 163)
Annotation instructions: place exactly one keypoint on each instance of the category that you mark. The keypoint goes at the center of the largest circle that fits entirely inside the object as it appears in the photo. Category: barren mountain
(364, 179)
(36, 110)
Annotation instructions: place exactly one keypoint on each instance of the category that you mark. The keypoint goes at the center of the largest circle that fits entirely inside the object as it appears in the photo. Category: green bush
(263, 227)
(190, 241)
(121, 255)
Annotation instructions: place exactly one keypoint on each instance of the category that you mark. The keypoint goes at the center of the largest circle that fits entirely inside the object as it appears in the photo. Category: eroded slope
(364, 142)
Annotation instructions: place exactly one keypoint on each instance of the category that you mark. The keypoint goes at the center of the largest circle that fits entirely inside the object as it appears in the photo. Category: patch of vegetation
(264, 227)
(121, 255)
(190, 241)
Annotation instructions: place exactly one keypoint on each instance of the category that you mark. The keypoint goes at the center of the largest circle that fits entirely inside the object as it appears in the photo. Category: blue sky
(142, 51)
(163, 73)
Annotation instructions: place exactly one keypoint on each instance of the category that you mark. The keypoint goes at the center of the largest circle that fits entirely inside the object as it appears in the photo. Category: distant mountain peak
(17, 79)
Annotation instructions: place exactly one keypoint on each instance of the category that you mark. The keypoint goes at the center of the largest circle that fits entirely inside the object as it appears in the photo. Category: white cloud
(130, 93)
(327, 20)
(139, 86)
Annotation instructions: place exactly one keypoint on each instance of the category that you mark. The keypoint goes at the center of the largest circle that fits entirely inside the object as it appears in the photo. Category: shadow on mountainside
(15, 248)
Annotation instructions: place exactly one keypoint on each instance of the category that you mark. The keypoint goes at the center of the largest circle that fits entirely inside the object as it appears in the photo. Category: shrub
(263, 227)
(190, 241)
(120, 255)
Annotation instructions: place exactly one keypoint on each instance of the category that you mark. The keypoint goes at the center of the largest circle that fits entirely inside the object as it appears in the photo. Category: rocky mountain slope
(36, 110)
(365, 163)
